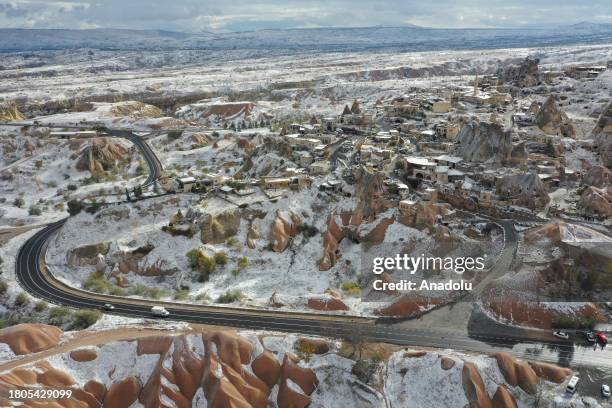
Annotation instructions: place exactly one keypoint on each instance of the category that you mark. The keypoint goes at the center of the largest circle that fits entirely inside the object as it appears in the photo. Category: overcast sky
(243, 15)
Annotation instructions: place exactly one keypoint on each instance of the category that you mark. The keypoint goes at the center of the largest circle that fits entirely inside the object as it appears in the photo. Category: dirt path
(6, 234)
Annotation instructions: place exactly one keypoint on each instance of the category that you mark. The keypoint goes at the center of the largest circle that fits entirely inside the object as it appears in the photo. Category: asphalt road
(34, 277)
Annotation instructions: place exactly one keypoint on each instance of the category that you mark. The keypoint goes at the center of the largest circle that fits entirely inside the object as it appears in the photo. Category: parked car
(590, 336)
(605, 390)
(561, 335)
(108, 307)
(602, 338)
(159, 311)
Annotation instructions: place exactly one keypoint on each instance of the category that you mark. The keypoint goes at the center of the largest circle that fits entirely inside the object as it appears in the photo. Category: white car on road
(605, 391)
(159, 311)
(561, 335)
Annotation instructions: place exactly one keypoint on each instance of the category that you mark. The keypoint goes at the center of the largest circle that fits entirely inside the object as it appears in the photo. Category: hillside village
(276, 198)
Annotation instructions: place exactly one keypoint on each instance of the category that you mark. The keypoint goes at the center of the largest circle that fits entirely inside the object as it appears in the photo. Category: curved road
(34, 277)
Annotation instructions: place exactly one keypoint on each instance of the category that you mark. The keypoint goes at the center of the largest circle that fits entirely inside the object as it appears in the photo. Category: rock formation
(426, 214)
(371, 202)
(10, 113)
(81, 355)
(406, 307)
(100, 154)
(525, 186)
(135, 109)
(252, 236)
(216, 228)
(553, 121)
(603, 136)
(474, 387)
(284, 227)
(598, 176)
(87, 254)
(597, 200)
(214, 369)
(523, 75)
(327, 304)
(481, 142)
(30, 338)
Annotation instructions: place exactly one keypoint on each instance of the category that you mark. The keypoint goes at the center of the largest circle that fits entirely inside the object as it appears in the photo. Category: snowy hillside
(405, 38)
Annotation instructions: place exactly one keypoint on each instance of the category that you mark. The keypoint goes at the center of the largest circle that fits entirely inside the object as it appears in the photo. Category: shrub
(22, 299)
(19, 202)
(38, 164)
(221, 258)
(181, 294)
(93, 208)
(85, 318)
(71, 187)
(235, 272)
(116, 291)
(3, 287)
(230, 296)
(96, 282)
(156, 293)
(305, 350)
(231, 241)
(40, 306)
(308, 230)
(34, 210)
(74, 207)
(202, 263)
(351, 288)
(140, 169)
(59, 316)
(203, 297)
(174, 135)
(243, 262)
(364, 370)
(172, 230)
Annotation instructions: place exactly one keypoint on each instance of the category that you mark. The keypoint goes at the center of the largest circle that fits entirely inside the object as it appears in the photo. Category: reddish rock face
(447, 363)
(522, 374)
(96, 389)
(181, 373)
(503, 399)
(405, 307)
(474, 387)
(82, 355)
(267, 368)
(284, 227)
(30, 338)
(327, 304)
(550, 372)
(123, 394)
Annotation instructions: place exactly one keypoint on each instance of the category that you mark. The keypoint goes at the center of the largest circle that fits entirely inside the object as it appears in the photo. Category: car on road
(159, 311)
(605, 390)
(108, 307)
(590, 336)
(602, 338)
(571, 385)
(561, 335)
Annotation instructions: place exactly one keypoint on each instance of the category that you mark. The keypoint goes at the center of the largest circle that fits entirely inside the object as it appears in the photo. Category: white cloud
(235, 15)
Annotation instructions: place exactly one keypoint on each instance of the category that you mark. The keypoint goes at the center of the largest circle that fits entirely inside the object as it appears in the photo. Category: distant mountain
(403, 38)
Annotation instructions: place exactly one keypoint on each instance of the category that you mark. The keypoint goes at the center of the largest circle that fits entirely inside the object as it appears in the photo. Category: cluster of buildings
(414, 140)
